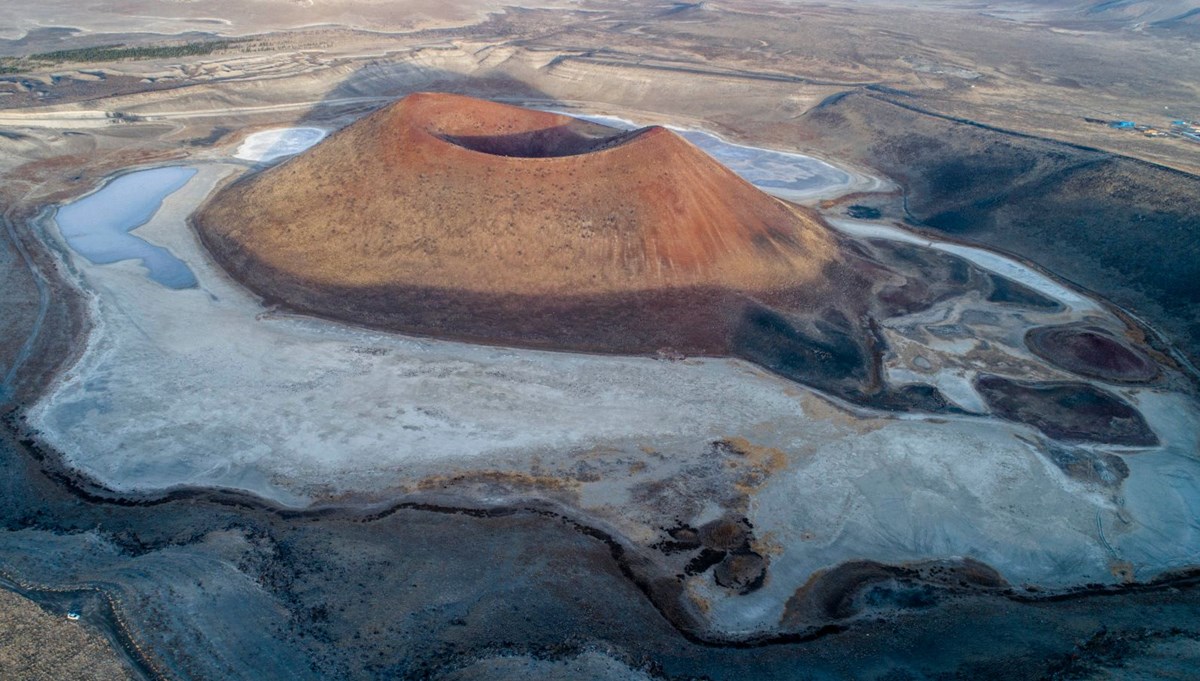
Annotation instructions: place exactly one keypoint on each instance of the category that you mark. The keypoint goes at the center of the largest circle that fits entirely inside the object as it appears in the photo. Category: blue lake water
(98, 226)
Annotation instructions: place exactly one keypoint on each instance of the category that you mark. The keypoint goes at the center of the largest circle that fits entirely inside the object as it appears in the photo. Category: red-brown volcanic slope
(447, 215)
(449, 191)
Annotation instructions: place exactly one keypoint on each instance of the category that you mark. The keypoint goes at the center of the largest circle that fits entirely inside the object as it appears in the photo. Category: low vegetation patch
(122, 52)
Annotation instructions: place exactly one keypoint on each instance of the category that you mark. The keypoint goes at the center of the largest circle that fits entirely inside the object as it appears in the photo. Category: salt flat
(205, 386)
(271, 145)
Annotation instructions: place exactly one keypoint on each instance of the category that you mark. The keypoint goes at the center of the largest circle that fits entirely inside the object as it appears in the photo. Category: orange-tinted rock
(450, 216)
(451, 192)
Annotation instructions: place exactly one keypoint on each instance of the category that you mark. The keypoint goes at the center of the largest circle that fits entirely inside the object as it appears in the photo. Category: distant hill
(1126, 14)
(1154, 12)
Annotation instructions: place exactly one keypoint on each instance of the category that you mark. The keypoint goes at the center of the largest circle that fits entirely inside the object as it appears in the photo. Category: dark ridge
(1091, 352)
(1006, 290)
(1072, 412)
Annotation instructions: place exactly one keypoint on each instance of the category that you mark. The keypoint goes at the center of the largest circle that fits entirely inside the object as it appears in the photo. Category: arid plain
(959, 438)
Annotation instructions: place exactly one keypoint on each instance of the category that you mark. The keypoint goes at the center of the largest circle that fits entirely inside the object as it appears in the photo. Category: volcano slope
(448, 216)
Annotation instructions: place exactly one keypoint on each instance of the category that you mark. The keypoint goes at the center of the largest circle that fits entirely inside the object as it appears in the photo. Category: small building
(1123, 125)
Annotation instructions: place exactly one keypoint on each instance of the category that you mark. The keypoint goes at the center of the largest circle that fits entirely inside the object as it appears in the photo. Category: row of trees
(102, 53)
(118, 52)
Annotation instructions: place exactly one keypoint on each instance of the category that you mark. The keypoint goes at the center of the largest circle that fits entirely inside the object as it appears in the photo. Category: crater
(545, 143)
(455, 217)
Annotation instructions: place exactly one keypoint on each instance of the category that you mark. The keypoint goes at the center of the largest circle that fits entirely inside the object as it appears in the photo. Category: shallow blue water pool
(99, 225)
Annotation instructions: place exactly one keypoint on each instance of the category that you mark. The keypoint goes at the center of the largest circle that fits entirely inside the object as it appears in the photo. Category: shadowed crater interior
(561, 140)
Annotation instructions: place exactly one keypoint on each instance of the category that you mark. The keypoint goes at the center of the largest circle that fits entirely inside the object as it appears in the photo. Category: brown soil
(445, 191)
(35, 644)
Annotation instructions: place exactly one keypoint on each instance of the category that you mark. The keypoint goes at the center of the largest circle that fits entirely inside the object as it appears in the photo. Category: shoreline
(75, 483)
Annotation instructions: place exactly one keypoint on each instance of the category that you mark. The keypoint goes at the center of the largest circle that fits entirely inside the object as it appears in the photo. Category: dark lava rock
(1090, 352)
(1094, 467)
(860, 212)
(742, 571)
(682, 538)
(725, 534)
(1075, 412)
(1009, 291)
(703, 561)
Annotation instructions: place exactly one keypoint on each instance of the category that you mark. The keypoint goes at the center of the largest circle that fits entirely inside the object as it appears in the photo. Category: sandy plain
(40, 645)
